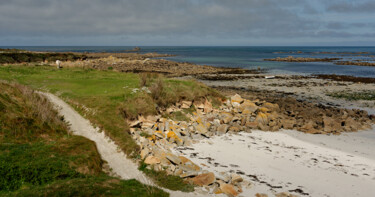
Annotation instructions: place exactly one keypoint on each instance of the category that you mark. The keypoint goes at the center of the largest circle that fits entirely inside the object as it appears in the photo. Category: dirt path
(109, 151)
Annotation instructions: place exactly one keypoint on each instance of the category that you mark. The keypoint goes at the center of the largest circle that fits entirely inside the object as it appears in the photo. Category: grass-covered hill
(39, 157)
(108, 98)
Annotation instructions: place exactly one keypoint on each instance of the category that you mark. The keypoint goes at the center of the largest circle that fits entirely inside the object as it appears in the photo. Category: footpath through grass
(95, 94)
(38, 157)
(107, 98)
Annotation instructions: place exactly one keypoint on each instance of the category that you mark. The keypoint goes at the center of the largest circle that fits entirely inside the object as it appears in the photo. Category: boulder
(226, 117)
(186, 104)
(188, 165)
(147, 124)
(152, 160)
(351, 125)
(273, 107)
(224, 177)
(217, 190)
(199, 106)
(236, 100)
(264, 110)
(144, 153)
(216, 122)
(207, 107)
(252, 125)
(173, 158)
(203, 179)
(331, 125)
(135, 124)
(173, 137)
(179, 172)
(159, 134)
(288, 123)
(247, 107)
(228, 189)
(235, 128)
(222, 129)
(236, 178)
(188, 174)
(309, 128)
(285, 194)
(201, 129)
(262, 118)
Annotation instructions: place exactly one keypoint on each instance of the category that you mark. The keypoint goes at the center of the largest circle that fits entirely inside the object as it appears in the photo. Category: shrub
(142, 104)
(143, 79)
(158, 93)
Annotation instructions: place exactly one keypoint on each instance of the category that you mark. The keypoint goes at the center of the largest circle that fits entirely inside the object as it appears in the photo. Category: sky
(187, 22)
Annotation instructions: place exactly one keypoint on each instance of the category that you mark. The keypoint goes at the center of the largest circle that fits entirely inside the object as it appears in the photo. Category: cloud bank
(184, 22)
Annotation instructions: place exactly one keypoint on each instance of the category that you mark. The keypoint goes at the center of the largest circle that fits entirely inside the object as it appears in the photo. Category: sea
(251, 57)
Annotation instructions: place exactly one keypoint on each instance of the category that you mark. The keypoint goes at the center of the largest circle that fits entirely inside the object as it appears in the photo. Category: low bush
(141, 104)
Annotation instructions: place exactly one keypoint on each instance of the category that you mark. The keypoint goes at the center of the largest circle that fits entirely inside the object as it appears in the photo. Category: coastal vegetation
(108, 99)
(363, 95)
(27, 57)
(39, 157)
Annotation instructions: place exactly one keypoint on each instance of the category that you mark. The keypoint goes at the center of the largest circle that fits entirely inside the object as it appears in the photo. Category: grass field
(106, 98)
(38, 157)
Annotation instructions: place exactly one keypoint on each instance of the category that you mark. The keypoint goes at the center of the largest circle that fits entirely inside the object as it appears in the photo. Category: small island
(302, 59)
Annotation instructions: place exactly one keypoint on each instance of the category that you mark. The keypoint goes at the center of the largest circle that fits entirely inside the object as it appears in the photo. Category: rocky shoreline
(128, 62)
(302, 59)
(336, 61)
(161, 138)
(355, 63)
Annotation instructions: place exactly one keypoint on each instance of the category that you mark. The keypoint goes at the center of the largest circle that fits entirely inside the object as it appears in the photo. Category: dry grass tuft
(26, 115)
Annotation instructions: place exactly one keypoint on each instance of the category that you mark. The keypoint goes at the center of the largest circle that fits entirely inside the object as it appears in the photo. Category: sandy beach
(292, 161)
(302, 164)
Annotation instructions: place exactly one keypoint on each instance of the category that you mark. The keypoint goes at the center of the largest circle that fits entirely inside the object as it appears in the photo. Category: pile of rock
(159, 136)
(321, 119)
(310, 117)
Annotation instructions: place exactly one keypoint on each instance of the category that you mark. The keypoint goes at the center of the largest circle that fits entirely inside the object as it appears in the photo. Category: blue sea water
(249, 57)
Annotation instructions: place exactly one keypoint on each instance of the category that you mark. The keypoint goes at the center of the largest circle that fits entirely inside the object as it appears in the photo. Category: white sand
(316, 165)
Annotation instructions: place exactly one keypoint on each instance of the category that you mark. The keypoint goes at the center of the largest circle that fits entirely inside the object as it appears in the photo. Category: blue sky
(187, 22)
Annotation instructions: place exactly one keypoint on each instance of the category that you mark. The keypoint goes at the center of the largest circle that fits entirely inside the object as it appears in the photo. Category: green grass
(108, 95)
(168, 181)
(32, 164)
(101, 91)
(364, 95)
(90, 186)
(38, 157)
